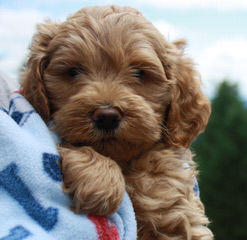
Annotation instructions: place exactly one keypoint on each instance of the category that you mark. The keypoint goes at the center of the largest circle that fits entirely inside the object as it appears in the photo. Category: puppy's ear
(32, 85)
(189, 108)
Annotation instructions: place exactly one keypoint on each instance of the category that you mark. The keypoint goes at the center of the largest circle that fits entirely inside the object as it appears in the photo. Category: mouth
(108, 140)
(106, 136)
(98, 137)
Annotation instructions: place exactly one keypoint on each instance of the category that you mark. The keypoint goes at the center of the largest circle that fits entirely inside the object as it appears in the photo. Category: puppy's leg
(161, 189)
(95, 182)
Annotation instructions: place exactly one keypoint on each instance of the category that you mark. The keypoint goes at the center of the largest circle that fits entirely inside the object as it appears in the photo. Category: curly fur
(163, 110)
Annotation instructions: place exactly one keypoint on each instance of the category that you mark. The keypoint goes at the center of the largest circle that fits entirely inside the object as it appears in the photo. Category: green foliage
(222, 157)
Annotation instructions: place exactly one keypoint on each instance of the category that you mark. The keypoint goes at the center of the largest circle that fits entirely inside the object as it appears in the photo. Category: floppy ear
(32, 85)
(189, 108)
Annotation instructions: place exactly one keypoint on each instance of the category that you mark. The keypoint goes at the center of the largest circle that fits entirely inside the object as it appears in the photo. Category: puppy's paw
(95, 182)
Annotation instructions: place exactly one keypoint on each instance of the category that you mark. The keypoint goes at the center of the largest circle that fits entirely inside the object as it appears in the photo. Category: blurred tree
(222, 157)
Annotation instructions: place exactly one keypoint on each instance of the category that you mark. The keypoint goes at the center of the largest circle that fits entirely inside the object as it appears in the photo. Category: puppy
(126, 104)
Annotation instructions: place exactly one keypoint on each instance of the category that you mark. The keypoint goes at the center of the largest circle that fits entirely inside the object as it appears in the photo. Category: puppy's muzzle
(107, 118)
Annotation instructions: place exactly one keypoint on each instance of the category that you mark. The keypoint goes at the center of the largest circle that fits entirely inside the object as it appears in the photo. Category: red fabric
(105, 228)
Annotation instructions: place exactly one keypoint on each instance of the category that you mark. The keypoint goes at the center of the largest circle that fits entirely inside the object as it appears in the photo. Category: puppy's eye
(73, 72)
(139, 73)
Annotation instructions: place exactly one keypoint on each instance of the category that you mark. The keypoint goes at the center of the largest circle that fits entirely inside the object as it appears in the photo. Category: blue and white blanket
(32, 203)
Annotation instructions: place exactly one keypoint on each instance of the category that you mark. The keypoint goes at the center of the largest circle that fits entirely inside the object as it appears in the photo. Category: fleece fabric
(32, 203)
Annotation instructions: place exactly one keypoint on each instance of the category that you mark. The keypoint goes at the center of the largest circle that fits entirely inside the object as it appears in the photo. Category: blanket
(32, 203)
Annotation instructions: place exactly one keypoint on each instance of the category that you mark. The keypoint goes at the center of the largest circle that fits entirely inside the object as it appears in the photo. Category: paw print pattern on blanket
(50, 163)
(33, 205)
(17, 233)
(22, 115)
(13, 184)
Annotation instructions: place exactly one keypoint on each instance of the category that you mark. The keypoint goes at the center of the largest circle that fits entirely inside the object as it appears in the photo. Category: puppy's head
(107, 78)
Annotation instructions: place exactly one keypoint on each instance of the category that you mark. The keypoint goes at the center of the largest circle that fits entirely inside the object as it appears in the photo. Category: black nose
(107, 118)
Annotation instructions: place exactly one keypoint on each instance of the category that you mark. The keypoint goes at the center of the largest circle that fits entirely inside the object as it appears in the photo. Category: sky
(215, 30)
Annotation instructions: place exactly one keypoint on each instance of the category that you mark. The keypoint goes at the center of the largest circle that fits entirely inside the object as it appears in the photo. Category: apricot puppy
(126, 104)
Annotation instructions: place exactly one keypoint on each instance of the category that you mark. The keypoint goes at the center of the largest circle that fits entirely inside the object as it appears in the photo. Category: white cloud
(218, 4)
(169, 31)
(225, 59)
(16, 30)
